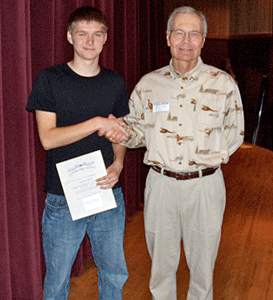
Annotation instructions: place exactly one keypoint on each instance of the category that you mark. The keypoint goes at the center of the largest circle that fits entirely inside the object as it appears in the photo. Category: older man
(189, 117)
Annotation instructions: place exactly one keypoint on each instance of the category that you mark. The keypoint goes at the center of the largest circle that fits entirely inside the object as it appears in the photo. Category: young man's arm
(52, 136)
(114, 170)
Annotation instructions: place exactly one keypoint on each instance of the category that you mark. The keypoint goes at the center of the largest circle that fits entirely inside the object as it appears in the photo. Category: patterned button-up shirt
(187, 122)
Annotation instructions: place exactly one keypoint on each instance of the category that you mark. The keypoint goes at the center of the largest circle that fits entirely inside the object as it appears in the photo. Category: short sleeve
(41, 97)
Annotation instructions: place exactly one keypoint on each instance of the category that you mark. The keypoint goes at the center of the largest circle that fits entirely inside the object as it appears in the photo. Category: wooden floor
(244, 267)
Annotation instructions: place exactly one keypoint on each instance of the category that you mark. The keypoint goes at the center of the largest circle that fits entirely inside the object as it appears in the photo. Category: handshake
(114, 129)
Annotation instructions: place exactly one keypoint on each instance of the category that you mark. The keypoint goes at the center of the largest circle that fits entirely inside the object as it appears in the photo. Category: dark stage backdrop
(32, 37)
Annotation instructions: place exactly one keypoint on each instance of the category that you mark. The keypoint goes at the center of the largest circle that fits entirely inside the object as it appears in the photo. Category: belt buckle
(188, 175)
(183, 175)
(177, 176)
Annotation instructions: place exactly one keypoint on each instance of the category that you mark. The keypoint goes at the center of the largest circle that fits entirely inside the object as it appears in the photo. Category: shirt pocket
(209, 112)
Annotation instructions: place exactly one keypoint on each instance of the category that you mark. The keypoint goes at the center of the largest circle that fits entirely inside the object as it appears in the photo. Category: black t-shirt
(75, 99)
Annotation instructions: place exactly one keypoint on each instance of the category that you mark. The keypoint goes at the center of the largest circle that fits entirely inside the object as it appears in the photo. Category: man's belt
(185, 175)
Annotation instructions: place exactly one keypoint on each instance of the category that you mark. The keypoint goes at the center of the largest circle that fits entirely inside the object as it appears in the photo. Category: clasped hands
(114, 129)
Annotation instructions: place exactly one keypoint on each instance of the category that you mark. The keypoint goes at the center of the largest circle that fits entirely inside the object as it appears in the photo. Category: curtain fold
(32, 37)
(5, 273)
(18, 195)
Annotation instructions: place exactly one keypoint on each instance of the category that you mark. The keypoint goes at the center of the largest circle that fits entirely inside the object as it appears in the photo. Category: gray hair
(190, 10)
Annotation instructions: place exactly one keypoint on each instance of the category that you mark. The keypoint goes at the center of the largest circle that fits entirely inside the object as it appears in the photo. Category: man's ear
(105, 38)
(168, 38)
(69, 37)
(204, 39)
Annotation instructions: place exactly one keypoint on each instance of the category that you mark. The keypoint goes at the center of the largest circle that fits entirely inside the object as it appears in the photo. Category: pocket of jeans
(118, 196)
(56, 201)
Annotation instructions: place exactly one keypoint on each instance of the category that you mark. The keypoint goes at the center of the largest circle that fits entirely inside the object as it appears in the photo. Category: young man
(189, 116)
(78, 106)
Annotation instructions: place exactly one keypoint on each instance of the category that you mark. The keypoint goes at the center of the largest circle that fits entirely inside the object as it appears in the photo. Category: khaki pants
(191, 210)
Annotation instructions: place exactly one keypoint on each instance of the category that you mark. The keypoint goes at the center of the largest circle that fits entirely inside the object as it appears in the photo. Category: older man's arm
(135, 120)
(234, 119)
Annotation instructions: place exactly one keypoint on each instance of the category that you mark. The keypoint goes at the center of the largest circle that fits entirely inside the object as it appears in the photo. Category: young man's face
(186, 49)
(87, 39)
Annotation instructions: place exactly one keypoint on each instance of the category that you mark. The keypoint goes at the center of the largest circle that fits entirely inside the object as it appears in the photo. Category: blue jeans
(62, 238)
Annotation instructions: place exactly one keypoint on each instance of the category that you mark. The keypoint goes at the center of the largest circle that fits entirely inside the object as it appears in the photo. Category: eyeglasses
(181, 34)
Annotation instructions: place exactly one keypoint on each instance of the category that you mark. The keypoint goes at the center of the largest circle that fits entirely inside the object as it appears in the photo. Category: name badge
(161, 106)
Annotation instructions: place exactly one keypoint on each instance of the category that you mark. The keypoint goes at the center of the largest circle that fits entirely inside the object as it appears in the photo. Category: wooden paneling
(216, 11)
(218, 18)
(230, 17)
(250, 17)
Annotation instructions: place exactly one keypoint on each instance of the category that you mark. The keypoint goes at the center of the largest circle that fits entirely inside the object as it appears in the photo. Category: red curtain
(32, 37)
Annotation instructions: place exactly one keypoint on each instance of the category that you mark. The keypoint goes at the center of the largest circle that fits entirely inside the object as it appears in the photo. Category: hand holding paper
(112, 177)
(78, 178)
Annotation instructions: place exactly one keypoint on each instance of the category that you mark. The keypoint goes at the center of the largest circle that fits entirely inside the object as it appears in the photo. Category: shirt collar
(193, 73)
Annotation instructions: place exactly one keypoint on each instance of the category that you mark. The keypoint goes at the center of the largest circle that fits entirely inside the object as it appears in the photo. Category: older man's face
(186, 38)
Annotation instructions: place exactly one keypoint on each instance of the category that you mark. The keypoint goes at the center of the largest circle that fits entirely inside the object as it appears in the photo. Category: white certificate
(78, 177)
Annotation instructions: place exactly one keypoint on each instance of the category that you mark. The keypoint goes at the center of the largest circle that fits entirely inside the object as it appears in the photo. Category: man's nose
(90, 39)
(186, 37)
